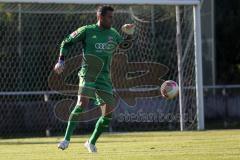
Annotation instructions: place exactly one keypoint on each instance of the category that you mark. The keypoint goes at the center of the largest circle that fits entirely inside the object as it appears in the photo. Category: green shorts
(100, 90)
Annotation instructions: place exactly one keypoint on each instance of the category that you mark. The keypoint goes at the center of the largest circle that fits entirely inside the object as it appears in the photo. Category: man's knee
(105, 121)
(77, 109)
(82, 101)
(107, 110)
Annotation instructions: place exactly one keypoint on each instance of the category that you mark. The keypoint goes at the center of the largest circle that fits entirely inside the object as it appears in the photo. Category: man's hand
(128, 41)
(128, 29)
(59, 67)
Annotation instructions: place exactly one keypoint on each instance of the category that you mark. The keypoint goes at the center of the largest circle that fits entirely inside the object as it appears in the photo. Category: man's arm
(127, 43)
(74, 37)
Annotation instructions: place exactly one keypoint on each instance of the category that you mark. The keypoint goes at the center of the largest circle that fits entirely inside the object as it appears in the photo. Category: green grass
(206, 145)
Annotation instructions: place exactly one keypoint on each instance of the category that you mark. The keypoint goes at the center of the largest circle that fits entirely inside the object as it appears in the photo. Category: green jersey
(98, 48)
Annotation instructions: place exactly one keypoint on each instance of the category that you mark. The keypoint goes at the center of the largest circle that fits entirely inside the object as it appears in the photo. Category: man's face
(106, 20)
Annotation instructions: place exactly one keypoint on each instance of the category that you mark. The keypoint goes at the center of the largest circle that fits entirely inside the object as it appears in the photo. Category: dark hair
(102, 10)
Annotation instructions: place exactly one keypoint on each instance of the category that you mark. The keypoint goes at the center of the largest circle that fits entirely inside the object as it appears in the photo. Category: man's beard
(107, 26)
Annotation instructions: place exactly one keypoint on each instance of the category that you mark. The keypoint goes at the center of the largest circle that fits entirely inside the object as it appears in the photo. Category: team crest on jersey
(74, 34)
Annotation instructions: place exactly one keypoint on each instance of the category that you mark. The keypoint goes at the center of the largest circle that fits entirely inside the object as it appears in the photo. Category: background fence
(30, 38)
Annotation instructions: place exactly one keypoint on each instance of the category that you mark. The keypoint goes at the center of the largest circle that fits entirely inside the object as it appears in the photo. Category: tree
(227, 41)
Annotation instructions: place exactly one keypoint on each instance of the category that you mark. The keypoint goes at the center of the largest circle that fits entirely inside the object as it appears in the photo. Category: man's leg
(88, 90)
(101, 126)
(73, 118)
(102, 123)
(106, 100)
(73, 121)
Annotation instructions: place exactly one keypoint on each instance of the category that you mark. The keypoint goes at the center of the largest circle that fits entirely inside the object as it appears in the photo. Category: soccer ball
(169, 89)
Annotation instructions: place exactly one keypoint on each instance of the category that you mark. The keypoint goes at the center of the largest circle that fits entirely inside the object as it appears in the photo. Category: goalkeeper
(99, 43)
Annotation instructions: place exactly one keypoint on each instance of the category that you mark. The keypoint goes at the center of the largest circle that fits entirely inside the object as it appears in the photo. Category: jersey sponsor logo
(101, 45)
(108, 47)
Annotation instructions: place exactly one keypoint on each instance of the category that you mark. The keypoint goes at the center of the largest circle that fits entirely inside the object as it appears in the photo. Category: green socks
(72, 122)
(100, 127)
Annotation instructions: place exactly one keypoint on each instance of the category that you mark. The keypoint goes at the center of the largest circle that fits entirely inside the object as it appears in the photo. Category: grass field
(206, 145)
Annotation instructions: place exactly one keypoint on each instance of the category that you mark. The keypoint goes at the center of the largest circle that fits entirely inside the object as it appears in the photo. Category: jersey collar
(103, 29)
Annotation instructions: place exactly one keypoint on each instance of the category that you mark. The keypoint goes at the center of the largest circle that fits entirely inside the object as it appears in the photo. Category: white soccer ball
(169, 89)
